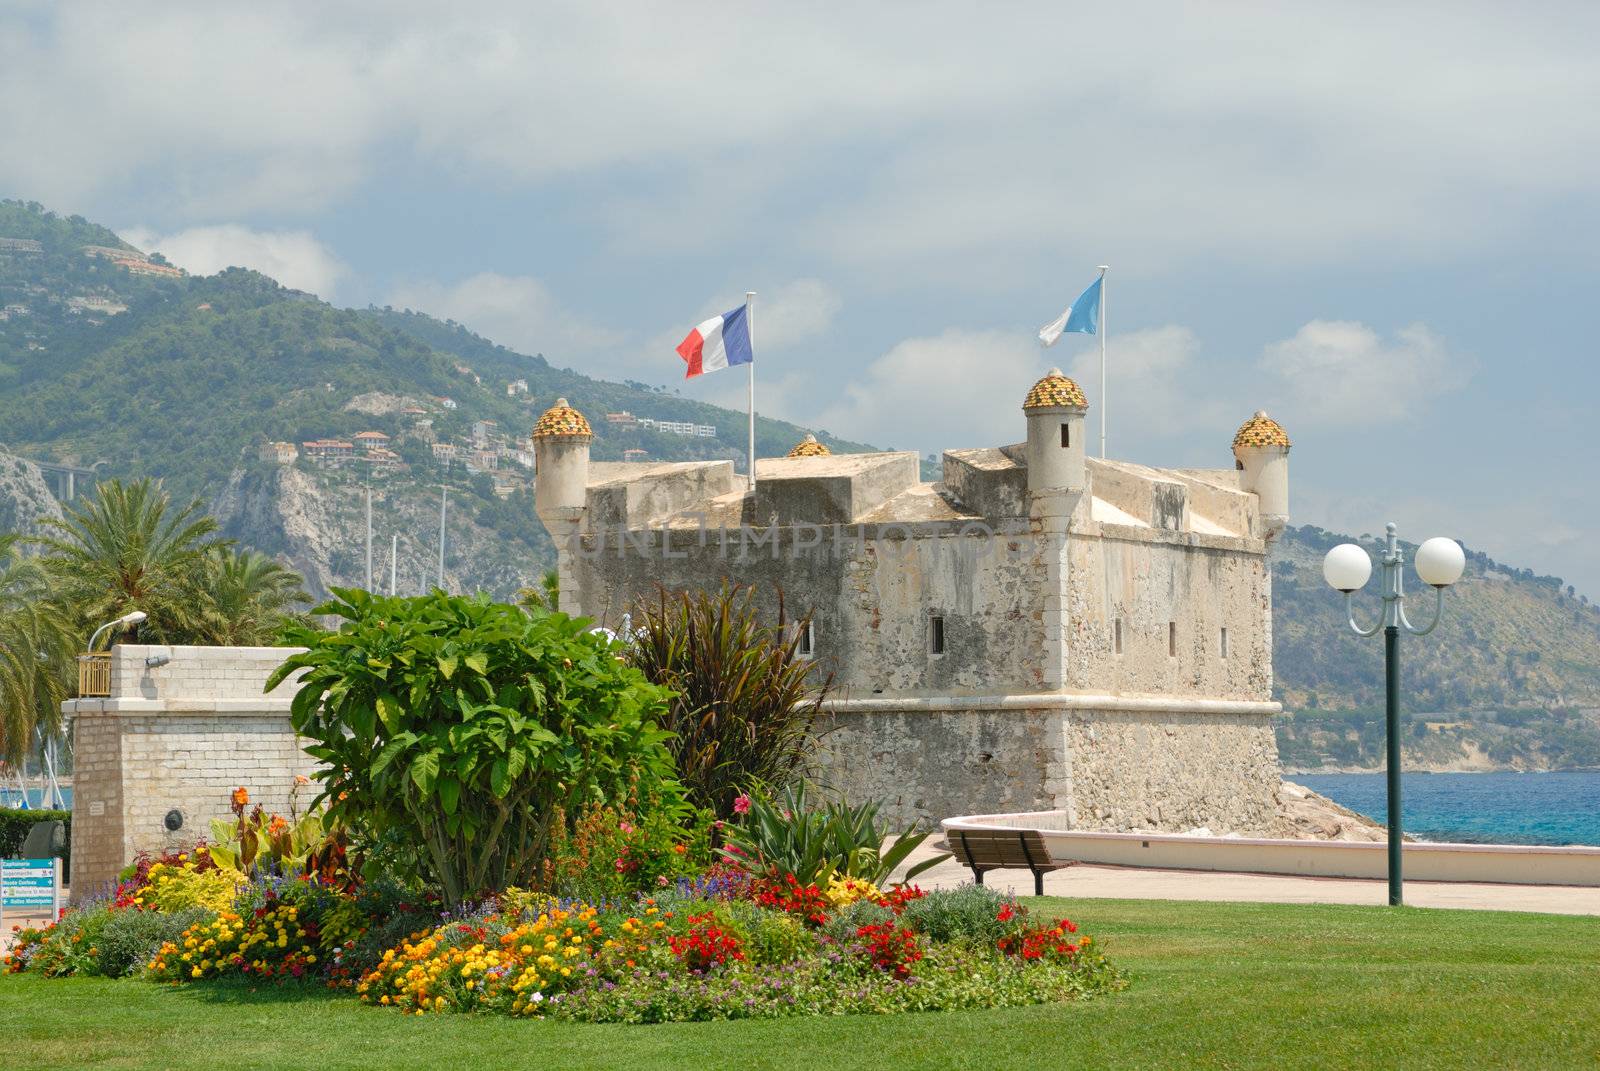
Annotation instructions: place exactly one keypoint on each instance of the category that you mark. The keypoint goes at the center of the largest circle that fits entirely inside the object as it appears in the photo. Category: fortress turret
(561, 455)
(1055, 408)
(809, 447)
(1261, 452)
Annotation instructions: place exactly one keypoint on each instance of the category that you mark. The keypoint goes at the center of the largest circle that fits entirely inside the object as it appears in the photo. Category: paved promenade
(1139, 883)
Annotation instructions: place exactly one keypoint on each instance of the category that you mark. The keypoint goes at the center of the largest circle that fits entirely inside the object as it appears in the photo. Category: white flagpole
(1101, 330)
(750, 326)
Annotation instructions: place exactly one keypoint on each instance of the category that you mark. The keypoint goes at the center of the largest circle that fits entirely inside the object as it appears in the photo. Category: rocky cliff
(25, 497)
(315, 520)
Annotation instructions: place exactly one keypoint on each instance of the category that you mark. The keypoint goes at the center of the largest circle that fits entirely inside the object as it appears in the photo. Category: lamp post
(127, 620)
(1347, 567)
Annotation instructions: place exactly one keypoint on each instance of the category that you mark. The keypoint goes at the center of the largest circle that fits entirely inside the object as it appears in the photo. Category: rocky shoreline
(1307, 815)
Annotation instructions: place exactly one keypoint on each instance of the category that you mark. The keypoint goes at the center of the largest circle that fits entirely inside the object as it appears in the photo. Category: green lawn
(1213, 985)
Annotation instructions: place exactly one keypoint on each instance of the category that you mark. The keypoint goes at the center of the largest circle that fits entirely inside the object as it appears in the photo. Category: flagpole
(1102, 333)
(750, 326)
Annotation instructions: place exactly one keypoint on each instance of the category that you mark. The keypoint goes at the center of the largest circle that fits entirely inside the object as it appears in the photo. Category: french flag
(719, 342)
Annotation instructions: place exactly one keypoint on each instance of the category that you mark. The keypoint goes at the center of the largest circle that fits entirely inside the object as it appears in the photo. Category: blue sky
(1377, 223)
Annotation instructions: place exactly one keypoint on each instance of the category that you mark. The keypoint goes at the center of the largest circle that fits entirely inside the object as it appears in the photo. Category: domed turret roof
(1055, 390)
(809, 447)
(561, 420)
(1260, 430)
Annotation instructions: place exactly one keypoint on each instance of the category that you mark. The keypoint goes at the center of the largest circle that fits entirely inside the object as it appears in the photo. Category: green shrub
(768, 936)
(129, 939)
(789, 835)
(948, 978)
(14, 827)
(468, 727)
(842, 926)
(743, 701)
(949, 914)
(182, 887)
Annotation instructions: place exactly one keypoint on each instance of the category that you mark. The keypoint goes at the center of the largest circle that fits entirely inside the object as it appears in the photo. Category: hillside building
(328, 449)
(278, 453)
(1041, 630)
(516, 387)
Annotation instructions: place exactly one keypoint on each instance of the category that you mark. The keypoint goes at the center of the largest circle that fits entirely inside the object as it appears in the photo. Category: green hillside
(138, 390)
(1511, 677)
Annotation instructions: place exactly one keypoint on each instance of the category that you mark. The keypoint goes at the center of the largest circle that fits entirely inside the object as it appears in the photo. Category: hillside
(111, 360)
(1510, 679)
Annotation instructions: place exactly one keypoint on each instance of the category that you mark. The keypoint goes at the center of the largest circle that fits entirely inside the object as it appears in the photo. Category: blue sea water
(12, 797)
(1478, 808)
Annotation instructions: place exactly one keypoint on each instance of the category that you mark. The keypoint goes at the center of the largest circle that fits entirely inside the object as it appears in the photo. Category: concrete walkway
(1138, 883)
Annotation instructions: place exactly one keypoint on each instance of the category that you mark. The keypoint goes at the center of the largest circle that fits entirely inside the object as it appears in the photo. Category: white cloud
(1287, 133)
(1342, 372)
(794, 313)
(959, 388)
(517, 311)
(1151, 390)
(294, 258)
(965, 388)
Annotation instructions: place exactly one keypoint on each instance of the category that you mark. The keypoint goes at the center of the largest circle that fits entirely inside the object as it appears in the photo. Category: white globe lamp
(1440, 562)
(1347, 568)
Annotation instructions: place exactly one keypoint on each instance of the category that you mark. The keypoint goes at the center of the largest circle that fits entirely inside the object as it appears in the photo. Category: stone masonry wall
(925, 766)
(178, 737)
(1113, 770)
(1172, 771)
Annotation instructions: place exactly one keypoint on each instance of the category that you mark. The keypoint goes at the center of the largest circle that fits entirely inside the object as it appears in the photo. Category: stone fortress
(1040, 630)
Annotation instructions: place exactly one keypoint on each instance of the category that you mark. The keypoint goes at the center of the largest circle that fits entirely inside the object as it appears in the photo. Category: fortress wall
(872, 587)
(1174, 594)
(177, 737)
(1110, 764)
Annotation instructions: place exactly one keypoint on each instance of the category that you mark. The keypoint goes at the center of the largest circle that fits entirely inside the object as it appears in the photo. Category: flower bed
(736, 950)
(720, 947)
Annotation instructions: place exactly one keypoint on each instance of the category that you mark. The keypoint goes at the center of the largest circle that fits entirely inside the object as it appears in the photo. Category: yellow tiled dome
(1054, 390)
(1261, 430)
(809, 447)
(564, 421)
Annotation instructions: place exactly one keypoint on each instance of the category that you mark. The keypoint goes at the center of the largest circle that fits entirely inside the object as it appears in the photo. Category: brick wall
(177, 737)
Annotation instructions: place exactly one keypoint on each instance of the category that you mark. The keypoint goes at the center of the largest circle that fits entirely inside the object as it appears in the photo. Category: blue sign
(28, 883)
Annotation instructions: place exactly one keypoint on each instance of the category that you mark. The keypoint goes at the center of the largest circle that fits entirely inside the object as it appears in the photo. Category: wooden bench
(1003, 849)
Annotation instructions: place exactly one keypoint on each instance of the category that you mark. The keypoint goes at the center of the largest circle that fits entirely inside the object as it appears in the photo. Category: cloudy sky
(1377, 223)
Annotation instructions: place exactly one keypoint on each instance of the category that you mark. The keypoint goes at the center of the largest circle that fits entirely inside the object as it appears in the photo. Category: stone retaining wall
(177, 738)
(1110, 763)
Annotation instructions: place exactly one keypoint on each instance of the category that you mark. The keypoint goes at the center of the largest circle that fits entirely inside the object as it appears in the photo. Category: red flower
(741, 804)
(890, 948)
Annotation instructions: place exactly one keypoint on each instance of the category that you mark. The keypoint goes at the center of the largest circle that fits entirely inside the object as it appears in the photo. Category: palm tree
(37, 643)
(249, 598)
(545, 596)
(127, 549)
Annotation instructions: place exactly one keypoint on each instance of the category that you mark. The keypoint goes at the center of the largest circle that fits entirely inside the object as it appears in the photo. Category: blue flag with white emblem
(1082, 316)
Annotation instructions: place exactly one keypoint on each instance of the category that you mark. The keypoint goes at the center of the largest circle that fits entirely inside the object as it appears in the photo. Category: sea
(1477, 808)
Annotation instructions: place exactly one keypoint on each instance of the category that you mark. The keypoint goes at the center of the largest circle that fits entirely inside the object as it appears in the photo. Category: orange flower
(241, 799)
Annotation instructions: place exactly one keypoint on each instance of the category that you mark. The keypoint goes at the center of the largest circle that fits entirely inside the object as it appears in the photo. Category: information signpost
(29, 888)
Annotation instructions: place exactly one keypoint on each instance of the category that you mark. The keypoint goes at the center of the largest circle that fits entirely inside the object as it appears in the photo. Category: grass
(1213, 986)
